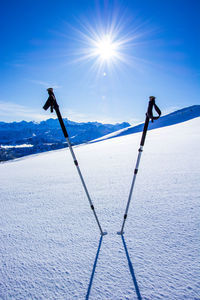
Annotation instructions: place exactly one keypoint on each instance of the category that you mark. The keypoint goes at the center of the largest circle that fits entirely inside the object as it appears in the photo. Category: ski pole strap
(149, 113)
(51, 102)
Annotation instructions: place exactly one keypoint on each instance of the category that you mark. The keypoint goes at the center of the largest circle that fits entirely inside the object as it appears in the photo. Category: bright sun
(105, 45)
(105, 48)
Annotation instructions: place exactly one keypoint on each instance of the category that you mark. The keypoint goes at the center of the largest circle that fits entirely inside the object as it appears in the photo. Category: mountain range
(23, 138)
(18, 139)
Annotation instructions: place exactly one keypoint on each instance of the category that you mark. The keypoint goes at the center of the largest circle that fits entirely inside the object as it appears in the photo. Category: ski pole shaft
(149, 115)
(135, 173)
(83, 183)
(51, 102)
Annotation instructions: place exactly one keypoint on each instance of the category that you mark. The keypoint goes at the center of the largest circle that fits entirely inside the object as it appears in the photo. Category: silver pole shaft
(83, 183)
(132, 186)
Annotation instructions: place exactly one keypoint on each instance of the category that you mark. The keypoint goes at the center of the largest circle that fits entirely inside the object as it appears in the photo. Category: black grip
(146, 124)
(47, 104)
(152, 105)
(60, 119)
(51, 102)
(149, 116)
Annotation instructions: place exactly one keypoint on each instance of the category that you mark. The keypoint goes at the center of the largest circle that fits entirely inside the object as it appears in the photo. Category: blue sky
(51, 43)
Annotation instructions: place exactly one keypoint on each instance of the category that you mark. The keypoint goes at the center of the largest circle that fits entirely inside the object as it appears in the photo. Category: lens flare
(107, 44)
(106, 49)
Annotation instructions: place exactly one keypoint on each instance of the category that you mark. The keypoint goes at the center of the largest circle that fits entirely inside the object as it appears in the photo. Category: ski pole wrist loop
(152, 105)
(51, 102)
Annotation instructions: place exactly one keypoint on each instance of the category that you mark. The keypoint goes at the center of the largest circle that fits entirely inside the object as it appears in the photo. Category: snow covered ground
(49, 238)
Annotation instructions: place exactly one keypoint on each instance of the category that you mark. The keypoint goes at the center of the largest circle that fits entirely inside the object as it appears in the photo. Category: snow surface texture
(49, 238)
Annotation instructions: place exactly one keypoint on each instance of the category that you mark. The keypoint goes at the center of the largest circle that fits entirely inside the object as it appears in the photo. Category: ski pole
(149, 116)
(52, 103)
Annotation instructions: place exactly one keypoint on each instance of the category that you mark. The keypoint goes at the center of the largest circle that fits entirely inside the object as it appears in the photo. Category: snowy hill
(175, 117)
(50, 243)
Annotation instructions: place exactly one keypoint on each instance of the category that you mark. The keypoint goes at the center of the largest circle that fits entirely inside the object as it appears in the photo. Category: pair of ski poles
(52, 103)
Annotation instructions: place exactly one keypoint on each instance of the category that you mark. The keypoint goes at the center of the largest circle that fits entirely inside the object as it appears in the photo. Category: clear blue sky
(48, 43)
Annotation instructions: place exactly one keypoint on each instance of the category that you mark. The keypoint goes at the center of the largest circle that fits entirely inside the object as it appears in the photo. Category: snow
(16, 146)
(49, 238)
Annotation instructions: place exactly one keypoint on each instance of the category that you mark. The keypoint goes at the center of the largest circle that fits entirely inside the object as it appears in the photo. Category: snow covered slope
(175, 117)
(49, 238)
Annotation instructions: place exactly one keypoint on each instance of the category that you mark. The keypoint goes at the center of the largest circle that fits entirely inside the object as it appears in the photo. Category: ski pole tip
(120, 232)
(103, 233)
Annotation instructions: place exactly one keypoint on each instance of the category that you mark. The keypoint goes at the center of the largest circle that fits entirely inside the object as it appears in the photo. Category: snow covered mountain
(50, 243)
(175, 117)
(18, 139)
(17, 133)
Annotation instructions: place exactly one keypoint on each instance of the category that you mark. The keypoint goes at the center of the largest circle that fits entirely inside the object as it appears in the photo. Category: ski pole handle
(149, 116)
(52, 103)
(152, 105)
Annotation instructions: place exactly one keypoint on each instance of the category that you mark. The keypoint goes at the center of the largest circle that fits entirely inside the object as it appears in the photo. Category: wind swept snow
(50, 243)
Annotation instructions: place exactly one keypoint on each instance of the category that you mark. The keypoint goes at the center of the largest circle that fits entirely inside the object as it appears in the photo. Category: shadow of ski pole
(93, 270)
(131, 270)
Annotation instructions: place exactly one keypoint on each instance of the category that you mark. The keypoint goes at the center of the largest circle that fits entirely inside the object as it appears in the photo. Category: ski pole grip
(152, 105)
(149, 116)
(51, 101)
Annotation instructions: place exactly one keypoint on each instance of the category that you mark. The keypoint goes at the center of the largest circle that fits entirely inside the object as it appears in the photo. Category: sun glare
(106, 44)
(105, 48)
